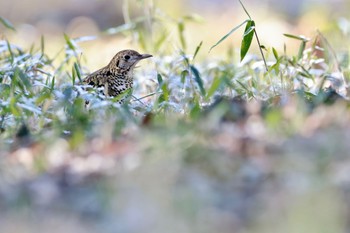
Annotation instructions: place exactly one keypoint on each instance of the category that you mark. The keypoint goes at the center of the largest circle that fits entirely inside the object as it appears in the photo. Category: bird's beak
(144, 56)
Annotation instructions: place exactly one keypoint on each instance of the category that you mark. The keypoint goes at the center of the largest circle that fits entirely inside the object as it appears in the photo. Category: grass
(209, 145)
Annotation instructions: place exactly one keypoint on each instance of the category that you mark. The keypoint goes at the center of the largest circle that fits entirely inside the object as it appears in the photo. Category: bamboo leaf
(184, 74)
(302, 38)
(301, 49)
(275, 54)
(160, 79)
(24, 79)
(181, 29)
(247, 38)
(13, 107)
(7, 23)
(164, 87)
(73, 76)
(196, 110)
(42, 45)
(121, 28)
(214, 86)
(77, 71)
(53, 83)
(228, 34)
(194, 18)
(69, 42)
(248, 91)
(165, 92)
(123, 95)
(275, 67)
(197, 49)
(10, 51)
(198, 79)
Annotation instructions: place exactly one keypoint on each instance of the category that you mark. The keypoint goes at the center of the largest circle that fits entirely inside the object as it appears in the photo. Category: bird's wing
(97, 78)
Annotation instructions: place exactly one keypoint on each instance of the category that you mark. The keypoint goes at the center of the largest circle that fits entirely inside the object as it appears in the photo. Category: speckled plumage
(117, 76)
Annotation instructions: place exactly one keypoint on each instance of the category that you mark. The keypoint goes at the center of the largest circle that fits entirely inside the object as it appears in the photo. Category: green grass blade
(77, 71)
(164, 96)
(10, 51)
(160, 79)
(195, 110)
(24, 79)
(31, 50)
(214, 86)
(197, 49)
(184, 74)
(13, 107)
(53, 83)
(248, 91)
(123, 95)
(181, 29)
(198, 79)
(69, 42)
(275, 67)
(302, 38)
(73, 76)
(42, 45)
(275, 54)
(165, 92)
(301, 49)
(228, 34)
(7, 23)
(121, 28)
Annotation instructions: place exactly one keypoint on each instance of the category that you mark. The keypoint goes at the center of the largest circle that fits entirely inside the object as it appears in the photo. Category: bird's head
(127, 59)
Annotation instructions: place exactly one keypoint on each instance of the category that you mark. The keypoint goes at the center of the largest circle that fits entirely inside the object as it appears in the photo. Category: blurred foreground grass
(206, 145)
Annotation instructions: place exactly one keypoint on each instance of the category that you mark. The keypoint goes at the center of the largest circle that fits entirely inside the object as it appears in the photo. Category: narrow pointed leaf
(10, 51)
(214, 86)
(77, 70)
(302, 38)
(42, 45)
(121, 28)
(301, 49)
(195, 111)
(275, 54)
(165, 92)
(7, 23)
(181, 29)
(197, 49)
(53, 83)
(247, 38)
(69, 42)
(198, 80)
(228, 34)
(160, 79)
(73, 76)
(184, 74)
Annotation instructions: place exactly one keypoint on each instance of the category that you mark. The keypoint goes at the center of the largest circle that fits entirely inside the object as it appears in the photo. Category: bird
(117, 77)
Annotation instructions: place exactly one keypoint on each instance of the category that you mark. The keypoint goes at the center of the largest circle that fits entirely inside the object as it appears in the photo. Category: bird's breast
(119, 83)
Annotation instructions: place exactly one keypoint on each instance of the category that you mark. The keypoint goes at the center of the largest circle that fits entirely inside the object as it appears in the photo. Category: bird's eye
(126, 57)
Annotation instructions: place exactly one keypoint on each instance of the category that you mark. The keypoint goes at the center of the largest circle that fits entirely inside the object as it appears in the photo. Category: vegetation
(204, 145)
